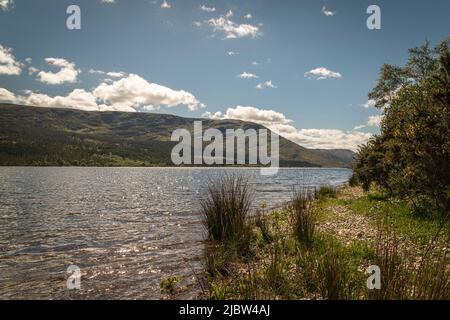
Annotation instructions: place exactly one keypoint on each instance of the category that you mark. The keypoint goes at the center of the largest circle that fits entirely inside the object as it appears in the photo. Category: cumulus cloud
(109, 1)
(247, 75)
(128, 94)
(134, 91)
(369, 104)
(248, 16)
(32, 70)
(229, 14)
(233, 30)
(6, 4)
(166, 5)
(264, 85)
(8, 63)
(77, 99)
(207, 9)
(374, 121)
(279, 123)
(67, 72)
(7, 96)
(328, 12)
(251, 114)
(232, 53)
(322, 73)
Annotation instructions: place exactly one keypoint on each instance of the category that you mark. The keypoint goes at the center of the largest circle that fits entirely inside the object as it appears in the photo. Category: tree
(411, 156)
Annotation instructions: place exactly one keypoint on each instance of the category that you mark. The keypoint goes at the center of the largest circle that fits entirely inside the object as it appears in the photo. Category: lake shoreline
(279, 266)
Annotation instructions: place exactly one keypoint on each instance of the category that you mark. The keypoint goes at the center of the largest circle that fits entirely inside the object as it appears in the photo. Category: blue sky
(201, 58)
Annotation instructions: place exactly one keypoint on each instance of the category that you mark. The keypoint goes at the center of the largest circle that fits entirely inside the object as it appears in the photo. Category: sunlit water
(126, 228)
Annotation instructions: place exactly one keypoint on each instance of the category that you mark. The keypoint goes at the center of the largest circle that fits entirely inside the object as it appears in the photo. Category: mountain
(69, 137)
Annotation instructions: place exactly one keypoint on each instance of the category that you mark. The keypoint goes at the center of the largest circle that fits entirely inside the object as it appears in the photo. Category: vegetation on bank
(320, 245)
(410, 159)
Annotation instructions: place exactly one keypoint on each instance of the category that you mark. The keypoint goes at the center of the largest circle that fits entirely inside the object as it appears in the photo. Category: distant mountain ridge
(70, 137)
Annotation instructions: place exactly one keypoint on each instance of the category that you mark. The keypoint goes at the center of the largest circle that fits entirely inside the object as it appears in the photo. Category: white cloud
(328, 12)
(229, 14)
(6, 4)
(251, 114)
(7, 96)
(8, 63)
(166, 5)
(267, 84)
(112, 74)
(115, 74)
(207, 9)
(248, 16)
(255, 63)
(233, 30)
(247, 75)
(67, 72)
(359, 127)
(32, 70)
(369, 104)
(374, 121)
(312, 138)
(28, 60)
(134, 91)
(232, 53)
(197, 23)
(77, 99)
(129, 94)
(109, 1)
(322, 73)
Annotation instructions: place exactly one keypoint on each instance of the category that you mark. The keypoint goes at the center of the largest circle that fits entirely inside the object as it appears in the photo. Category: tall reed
(225, 210)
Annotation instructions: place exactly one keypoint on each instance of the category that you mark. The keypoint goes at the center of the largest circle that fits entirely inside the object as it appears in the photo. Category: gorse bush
(225, 210)
(410, 159)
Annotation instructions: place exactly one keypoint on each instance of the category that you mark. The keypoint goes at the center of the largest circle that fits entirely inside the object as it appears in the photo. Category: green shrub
(225, 211)
(168, 285)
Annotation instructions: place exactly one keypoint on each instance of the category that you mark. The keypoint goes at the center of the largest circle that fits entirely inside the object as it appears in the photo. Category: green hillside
(33, 136)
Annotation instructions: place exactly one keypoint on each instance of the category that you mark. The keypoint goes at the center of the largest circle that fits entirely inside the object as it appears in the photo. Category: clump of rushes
(335, 282)
(394, 271)
(402, 278)
(225, 210)
(263, 224)
(326, 192)
(431, 281)
(303, 217)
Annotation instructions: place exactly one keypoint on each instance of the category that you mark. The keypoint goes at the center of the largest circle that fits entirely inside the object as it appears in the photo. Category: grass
(225, 209)
(326, 192)
(289, 257)
(303, 217)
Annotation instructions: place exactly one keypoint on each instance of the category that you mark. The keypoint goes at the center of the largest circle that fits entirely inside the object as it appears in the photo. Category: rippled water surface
(126, 228)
